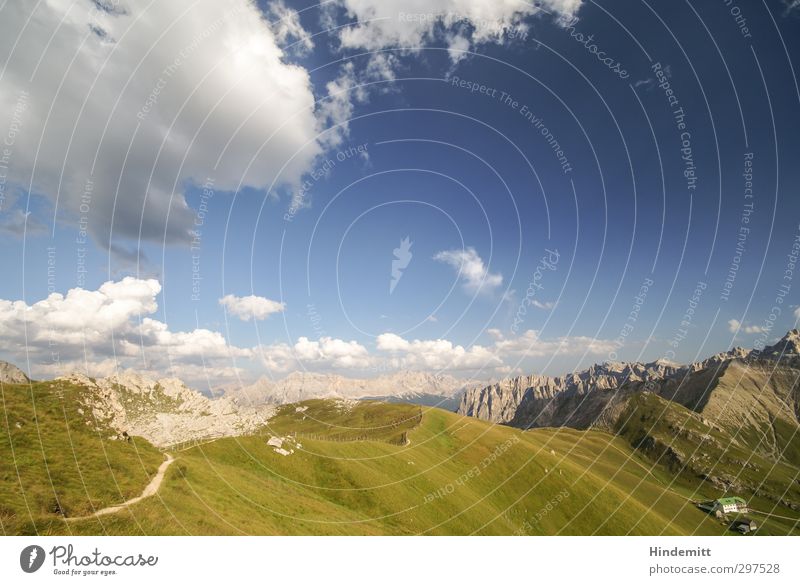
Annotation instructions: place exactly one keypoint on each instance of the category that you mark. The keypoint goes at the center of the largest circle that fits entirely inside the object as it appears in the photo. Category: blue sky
(305, 142)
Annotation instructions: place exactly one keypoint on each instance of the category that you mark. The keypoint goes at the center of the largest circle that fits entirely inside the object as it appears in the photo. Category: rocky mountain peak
(787, 347)
(11, 374)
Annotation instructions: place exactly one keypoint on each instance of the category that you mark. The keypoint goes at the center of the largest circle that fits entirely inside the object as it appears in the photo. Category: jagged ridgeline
(618, 449)
(730, 421)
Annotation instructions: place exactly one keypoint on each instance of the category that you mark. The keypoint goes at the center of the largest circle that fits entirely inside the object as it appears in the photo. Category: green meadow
(367, 468)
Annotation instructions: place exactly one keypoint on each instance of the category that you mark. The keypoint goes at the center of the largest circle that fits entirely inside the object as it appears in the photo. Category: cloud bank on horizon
(103, 330)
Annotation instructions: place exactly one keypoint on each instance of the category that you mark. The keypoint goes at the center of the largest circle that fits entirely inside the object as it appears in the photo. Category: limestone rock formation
(505, 401)
(11, 374)
(165, 412)
(593, 396)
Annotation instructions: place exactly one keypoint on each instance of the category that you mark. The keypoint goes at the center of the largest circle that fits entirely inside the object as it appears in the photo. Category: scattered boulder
(283, 445)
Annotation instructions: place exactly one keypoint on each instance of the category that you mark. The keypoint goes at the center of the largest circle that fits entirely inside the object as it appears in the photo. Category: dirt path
(775, 515)
(149, 490)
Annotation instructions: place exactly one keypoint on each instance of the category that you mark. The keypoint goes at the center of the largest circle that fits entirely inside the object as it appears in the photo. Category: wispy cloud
(251, 307)
(735, 326)
(474, 274)
(791, 6)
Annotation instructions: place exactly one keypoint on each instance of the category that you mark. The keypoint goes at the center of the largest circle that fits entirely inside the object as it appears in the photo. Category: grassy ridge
(338, 420)
(458, 476)
(56, 459)
(370, 468)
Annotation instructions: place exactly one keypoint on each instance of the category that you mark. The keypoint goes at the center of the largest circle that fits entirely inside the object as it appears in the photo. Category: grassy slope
(490, 479)
(342, 421)
(693, 448)
(53, 457)
(754, 402)
(234, 486)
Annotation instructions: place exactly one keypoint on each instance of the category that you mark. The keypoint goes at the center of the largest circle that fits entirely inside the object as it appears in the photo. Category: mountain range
(440, 390)
(619, 448)
(731, 421)
(587, 398)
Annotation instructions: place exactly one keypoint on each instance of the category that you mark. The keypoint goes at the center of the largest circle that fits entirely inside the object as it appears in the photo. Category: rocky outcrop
(165, 412)
(589, 397)
(11, 374)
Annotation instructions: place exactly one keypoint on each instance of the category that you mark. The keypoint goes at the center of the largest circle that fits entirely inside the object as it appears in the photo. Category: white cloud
(530, 344)
(495, 334)
(473, 272)
(287, 28)
(435, 354)
(381, 66)
(80, 316)
(109, 325)
(791, 6)
(546, 306)
(204, 376)
(184, 344)
(325, 353)
(337, 108)
(336, 352)
(735, 326)
(410, 24)
(124, 107)
(797, 313)
(457, 45)
(441, 354)
(100, 331)
(199, 376)
(251, 307)
(351, 86)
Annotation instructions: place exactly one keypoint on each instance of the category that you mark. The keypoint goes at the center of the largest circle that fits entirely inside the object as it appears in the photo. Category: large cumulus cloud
(127, 102)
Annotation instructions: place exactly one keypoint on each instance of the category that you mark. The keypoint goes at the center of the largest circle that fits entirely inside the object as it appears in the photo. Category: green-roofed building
(730, 505)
